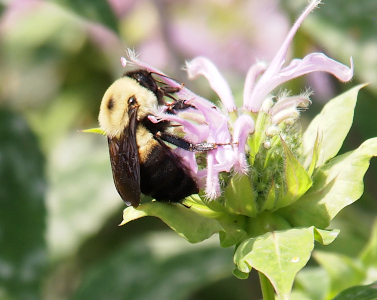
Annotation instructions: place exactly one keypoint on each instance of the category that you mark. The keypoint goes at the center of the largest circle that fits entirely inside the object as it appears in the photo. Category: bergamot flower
(268, 189)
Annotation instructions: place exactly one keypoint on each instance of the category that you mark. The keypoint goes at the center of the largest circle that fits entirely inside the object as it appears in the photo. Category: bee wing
(124, 157)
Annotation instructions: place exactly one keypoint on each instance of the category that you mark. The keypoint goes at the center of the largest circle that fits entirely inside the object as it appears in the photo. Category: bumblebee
(141, 161)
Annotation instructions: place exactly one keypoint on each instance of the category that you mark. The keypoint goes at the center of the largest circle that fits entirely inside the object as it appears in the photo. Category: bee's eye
(110, 104)
(132, 101)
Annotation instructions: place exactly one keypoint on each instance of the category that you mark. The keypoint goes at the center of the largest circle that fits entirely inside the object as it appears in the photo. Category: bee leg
(187, 206)
(178, 105)
(186, 145)
(167, 89)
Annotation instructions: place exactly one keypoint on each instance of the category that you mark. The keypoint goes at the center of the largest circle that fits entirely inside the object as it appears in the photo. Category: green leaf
(254, 141)
(296, 295)
(239, 197)
(23, 254)
(95, 10)
(333, 124)
(233, 225)
(368, 255)
(81, 190)
(266, 221)
(342, 270)
(335, 185)
(325, 237)
(94, 130)
(361, 292)
(314, 155)
(184, 221)
(239, 274)
(270, 200)
(157, 266)
(279, 255)
(297, 179)
(233, 231)
(195, 203)
(309, 279)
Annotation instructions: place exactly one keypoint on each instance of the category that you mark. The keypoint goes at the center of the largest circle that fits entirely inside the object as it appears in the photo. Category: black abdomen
(164, 177)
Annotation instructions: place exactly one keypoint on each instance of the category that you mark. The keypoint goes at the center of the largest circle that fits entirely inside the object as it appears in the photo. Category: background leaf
(366, 292)
(172, 271)
(332, 125)
(23, 255)
(342, 271)
(336, 185)
(94, 10)
(369, 254)
(75, 214)
(307, 282)
(279, 255)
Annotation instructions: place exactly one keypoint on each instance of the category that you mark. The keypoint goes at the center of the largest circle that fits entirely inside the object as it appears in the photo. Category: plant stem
(266, 286)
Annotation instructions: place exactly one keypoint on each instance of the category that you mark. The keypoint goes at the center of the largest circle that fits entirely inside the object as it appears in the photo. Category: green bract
(294, 188)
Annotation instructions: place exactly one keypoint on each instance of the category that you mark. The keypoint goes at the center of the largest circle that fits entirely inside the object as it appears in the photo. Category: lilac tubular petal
(243, 126)
(217, 121)
(225, 159)
(194, 133)
(201, 176)
(241, 166)
(264, 86)
(203, 66)
(254, 72)
(192, 116)
(123, 61)
(212, 189)
(290, 112)
(188, 158)
(190, 97)
(281, 55)
(313, 62)
(316, 62)
(296, 101)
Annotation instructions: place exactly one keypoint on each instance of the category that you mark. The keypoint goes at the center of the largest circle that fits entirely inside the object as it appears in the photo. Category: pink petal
(212, 189)
(281, 55)
(203, 66)
(225, 158)
(266, 83)
(195, 134)
(313, 62)
(217, 121)
(254, 72)
(123, 61)
(243, 126)
(188, 158)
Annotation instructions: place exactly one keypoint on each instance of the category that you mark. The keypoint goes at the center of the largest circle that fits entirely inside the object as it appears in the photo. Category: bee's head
(120, 99)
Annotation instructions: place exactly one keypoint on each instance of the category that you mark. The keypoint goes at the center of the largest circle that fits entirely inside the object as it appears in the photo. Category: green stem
(266, 286)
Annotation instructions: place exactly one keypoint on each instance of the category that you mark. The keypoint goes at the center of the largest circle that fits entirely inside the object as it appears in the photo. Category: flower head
(272, 126)
(258, 177)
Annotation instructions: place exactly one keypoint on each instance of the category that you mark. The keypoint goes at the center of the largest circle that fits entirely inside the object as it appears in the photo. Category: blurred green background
(59, 209)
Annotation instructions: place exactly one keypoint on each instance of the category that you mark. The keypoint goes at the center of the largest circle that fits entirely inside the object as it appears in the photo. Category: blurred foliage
(23, 253)
(161, 271)
(59, 237)
(97, 11)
